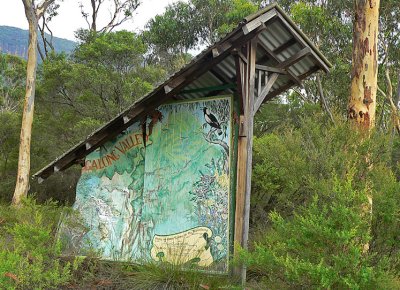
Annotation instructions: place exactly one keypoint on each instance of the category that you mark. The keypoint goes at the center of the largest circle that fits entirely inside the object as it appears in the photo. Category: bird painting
(212, 120)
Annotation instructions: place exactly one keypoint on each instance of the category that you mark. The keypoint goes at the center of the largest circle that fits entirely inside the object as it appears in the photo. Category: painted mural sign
(160, 192)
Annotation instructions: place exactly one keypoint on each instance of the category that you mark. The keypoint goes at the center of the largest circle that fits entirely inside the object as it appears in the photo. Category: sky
(70, 19)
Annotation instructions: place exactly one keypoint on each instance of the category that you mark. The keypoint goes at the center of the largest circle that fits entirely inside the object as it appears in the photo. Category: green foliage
(186, 25)
(105, 75)
(12, 81)
(311, 184)
(9, 139)
(322, 245)
(29, 251)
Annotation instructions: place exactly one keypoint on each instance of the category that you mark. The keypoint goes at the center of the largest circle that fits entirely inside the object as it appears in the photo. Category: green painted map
(160, 191)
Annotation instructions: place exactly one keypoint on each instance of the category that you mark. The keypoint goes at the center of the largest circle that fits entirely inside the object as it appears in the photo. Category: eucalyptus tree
(364, 74)
(33, 12)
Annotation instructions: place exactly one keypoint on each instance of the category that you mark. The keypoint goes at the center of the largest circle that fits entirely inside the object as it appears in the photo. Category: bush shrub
(311, 185)
(29, 251)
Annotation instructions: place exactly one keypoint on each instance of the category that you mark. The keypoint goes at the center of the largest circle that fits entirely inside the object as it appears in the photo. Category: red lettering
(134, 143)
(120, 149)
(102, 160)
(114, 155)
(126, 147)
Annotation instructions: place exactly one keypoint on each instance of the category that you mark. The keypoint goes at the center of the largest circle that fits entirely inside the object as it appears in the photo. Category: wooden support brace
(295, 58)
(284, 65)
(261, 97)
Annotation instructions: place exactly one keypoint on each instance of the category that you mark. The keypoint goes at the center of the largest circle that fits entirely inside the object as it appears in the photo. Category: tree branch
(41, 7)
(389, 97)
(217, 142)
(322, 96)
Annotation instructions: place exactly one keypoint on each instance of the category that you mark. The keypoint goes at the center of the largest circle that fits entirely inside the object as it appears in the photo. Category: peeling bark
(364, 74)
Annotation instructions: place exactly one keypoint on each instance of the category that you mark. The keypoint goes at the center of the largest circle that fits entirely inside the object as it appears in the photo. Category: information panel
(160, 191)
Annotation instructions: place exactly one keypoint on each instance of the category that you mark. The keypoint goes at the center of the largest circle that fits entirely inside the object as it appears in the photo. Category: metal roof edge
(306, 38)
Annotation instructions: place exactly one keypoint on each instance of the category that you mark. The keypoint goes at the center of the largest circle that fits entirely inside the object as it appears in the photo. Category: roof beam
(295, 58)
(286, 45)
(218, 49)
(292, 41)
(287, 63)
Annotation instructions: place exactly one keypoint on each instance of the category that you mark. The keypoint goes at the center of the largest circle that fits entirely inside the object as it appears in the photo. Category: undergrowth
(311, 224)
(29, 250)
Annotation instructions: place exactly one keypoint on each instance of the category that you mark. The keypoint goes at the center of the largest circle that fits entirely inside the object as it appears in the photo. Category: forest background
(310, 176)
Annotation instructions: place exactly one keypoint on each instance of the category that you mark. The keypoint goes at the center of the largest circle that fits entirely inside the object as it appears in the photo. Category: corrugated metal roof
(275, 32)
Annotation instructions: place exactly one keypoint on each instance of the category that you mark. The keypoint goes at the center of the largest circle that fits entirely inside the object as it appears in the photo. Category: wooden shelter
(264, 56)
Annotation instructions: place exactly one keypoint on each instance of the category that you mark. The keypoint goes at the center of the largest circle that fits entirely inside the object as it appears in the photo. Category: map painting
(160, 191)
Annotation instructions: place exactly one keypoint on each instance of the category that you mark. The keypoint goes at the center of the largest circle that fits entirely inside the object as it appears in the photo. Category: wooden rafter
(292, 41)
(256, 23)
(284, 66)
(295, 58)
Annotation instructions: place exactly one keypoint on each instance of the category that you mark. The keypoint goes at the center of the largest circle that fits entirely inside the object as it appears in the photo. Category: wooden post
(244, 163)
(241, 78)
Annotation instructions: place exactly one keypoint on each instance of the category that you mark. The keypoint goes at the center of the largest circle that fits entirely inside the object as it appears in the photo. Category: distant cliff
(14, 40)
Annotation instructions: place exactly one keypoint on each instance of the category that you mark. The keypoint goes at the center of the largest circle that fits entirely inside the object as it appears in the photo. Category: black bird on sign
(212, 120)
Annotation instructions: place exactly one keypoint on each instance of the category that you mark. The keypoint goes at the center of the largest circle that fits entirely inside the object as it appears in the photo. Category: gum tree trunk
(33, 13)
(364, 74)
